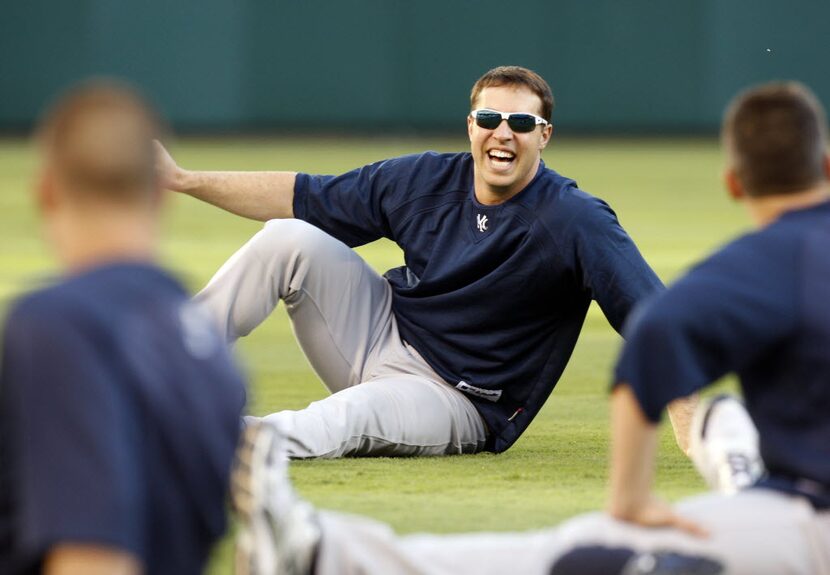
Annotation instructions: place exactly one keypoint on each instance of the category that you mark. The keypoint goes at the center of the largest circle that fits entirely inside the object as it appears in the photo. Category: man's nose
(503, 131)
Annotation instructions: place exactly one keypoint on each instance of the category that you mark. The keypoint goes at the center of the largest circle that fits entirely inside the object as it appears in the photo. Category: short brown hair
(97, 139)
(776, 135)
(515, 76)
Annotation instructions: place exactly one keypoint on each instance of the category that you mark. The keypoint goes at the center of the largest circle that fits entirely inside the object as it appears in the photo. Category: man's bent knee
(292, 236)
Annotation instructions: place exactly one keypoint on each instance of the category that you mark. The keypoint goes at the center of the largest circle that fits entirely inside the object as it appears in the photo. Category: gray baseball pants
(754, 532)
(386, 400)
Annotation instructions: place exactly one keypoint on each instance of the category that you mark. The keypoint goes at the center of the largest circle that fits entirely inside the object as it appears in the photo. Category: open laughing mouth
(501, 159)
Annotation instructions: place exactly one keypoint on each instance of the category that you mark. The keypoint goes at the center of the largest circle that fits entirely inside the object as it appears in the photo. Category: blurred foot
(724, 445)
(278, 532)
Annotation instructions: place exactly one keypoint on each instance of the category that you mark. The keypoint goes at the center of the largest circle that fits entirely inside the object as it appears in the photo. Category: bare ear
(733, 185)
(470, 127)
(827, 166)
(547, 132)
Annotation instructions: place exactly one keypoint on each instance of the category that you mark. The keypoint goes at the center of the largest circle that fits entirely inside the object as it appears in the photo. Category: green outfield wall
(372, 65)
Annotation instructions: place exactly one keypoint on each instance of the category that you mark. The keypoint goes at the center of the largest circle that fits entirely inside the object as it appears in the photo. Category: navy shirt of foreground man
(120, 411)
(492, 296)
(759, 307)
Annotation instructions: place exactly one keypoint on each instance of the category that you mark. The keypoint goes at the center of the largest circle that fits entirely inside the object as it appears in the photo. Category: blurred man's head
(96, 142)
(507, 152)
(98, 183)
(776, 140)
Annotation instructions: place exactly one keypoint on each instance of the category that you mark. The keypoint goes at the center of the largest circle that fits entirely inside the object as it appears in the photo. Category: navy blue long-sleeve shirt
(493, 297)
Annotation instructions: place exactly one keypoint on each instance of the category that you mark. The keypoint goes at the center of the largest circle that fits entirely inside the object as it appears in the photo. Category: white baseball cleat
(724, 445)
(278, 532)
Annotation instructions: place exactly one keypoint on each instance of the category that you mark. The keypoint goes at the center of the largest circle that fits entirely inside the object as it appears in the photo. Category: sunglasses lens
(488, 120)
(521, 122)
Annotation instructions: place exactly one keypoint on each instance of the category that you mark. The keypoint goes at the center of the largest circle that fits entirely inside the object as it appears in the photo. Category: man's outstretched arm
(634, 448)
(255, 195)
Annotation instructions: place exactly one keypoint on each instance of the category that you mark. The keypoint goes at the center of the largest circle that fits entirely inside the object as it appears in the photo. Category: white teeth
(502, 154)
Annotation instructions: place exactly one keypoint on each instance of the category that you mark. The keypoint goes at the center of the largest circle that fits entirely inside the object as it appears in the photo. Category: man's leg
(753, 533)
(339, 307)
(340, 310)
(404, 415)
(352, 545)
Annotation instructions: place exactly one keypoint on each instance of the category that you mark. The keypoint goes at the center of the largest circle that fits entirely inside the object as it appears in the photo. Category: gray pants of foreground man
(386, 400)
(755, 532)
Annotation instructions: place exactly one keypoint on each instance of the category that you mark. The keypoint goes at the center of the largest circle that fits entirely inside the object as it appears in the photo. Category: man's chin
(501, 183)
(501, 188)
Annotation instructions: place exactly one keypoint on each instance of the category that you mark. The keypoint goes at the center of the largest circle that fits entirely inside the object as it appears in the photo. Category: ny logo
(481, 222)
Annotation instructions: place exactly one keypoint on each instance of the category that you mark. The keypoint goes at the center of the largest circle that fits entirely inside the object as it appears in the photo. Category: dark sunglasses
(520, 123)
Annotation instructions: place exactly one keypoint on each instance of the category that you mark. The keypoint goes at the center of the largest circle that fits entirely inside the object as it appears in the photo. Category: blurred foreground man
(759, 307)
(99, 472)
(456, 351)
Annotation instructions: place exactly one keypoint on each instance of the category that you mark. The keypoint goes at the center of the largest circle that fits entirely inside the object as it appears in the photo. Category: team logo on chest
(481, 222)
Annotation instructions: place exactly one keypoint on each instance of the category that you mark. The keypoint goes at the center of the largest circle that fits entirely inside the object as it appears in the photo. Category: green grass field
(668, 195)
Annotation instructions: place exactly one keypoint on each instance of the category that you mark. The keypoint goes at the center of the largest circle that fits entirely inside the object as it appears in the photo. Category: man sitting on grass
(458, 350)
